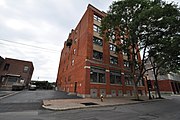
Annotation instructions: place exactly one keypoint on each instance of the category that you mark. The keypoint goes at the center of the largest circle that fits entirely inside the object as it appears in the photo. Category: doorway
(173, 88)
(75, 87)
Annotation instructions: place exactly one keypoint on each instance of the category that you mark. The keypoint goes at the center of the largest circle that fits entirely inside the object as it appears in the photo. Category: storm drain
(89, 103)
(137, 99)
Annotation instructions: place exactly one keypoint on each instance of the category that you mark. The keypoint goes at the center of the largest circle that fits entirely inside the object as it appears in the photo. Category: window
(97, 75)
(75, 41)
(97, 55)
(65, 80)
(115, 78)
(74, 51)
(136, 57)
(101, 77)
(66, 67)
(113, 60)
(122, 40)
(72, 62)
(69, 78)
(76, 31)
(128, 79)
(97, 18)
(112, 47)
(124, 52)
(97, 41)
(6, 67)
(140, 82)
(12, 79)
(126, 63)
(26, 69)
(96, 28)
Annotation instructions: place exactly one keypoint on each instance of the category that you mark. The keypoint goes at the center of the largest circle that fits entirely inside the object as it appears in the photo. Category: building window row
(97, 18)
(97, 41)
(26, 69)
(97, 75)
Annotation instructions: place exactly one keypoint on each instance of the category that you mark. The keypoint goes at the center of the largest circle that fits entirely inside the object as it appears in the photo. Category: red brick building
(90, 67)
(13, 67)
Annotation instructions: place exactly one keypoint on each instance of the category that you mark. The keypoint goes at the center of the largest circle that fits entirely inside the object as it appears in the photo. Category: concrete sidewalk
(68, 104)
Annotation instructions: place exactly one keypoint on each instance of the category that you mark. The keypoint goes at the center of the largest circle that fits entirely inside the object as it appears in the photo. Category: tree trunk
(156, 82)
(136, 91)
(157, 86)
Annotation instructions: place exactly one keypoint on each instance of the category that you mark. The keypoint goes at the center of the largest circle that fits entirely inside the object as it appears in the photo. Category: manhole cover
(89, 103)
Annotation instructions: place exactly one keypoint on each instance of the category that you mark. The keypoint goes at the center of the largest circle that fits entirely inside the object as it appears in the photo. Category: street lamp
(149, 86)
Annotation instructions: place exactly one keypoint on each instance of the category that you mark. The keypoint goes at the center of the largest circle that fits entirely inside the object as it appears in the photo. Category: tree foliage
(150, 26)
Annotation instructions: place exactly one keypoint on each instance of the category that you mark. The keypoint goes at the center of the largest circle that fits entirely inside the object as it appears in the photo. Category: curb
(97, 106)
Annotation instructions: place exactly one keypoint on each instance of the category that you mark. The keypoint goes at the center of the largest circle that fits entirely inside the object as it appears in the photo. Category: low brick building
(89, 65)
(15, 68)
(168, 84)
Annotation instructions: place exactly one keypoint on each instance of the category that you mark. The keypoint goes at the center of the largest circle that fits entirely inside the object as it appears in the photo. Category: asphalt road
(30, 100)
(166, 109)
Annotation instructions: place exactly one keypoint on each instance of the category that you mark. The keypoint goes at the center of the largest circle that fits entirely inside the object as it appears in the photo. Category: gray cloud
(42, 23)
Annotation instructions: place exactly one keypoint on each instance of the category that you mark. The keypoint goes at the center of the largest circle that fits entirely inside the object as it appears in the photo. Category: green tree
(119, 26)
(143, 25)
(162, 32)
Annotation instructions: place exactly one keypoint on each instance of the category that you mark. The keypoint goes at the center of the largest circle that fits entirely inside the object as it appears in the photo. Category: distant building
(13, 70)
(89, 65)
(168, 83)
(1, 61)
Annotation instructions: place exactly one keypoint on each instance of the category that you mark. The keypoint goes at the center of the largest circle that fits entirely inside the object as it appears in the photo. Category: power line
(28, 45)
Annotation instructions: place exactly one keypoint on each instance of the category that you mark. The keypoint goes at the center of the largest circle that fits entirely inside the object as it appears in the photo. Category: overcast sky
(35, 30)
